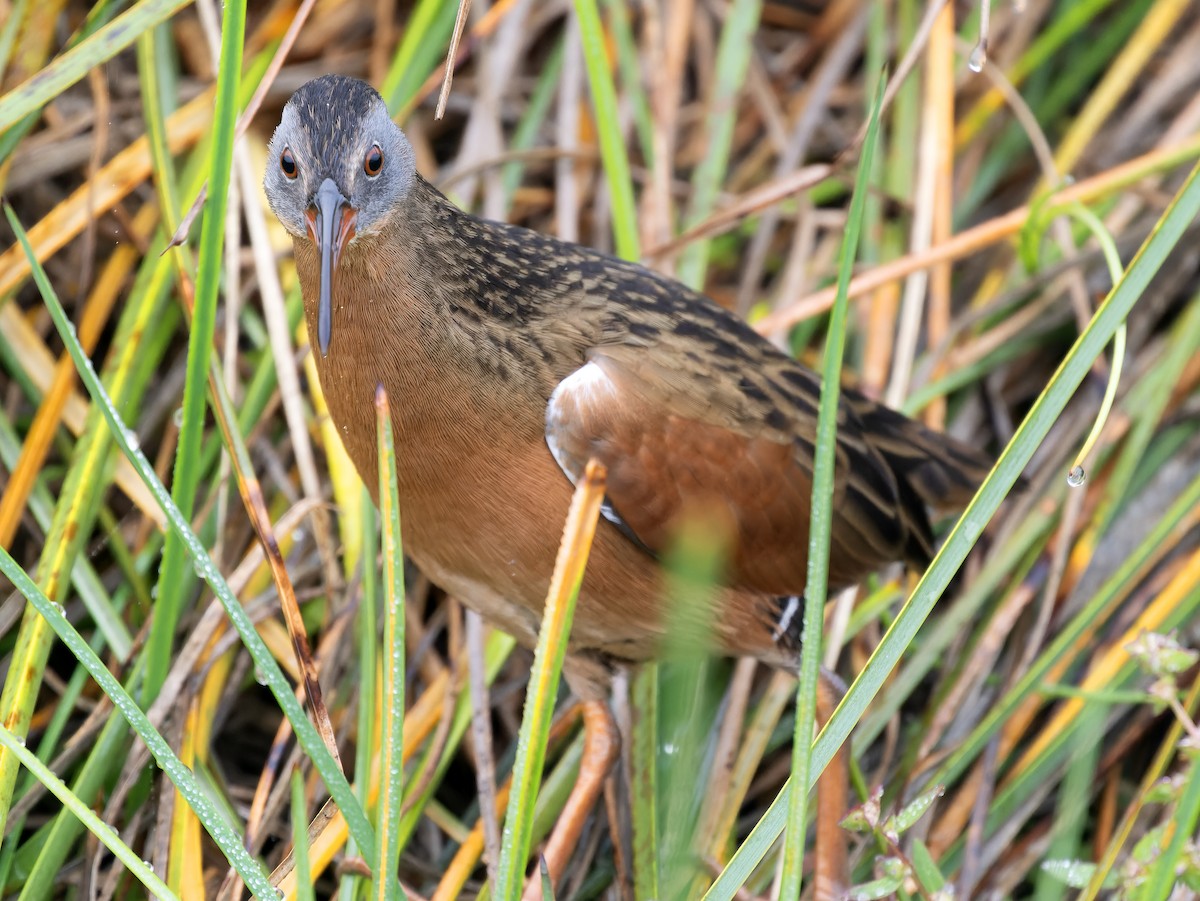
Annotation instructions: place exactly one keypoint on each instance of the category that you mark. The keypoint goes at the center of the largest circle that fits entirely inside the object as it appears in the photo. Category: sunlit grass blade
(1033, 430)
(543, 681)
(391, 768)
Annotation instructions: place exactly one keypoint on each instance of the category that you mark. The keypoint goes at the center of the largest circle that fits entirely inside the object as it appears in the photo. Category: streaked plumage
(513, 357)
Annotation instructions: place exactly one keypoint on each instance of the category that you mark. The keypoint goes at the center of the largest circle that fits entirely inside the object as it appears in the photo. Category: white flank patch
(785, 620)
(587, 385)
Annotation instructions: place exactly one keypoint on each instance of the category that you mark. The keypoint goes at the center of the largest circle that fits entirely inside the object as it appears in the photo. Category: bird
(513, 359)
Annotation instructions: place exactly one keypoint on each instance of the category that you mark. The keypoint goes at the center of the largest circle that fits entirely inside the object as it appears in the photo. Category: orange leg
(831, 871)
(601, 744)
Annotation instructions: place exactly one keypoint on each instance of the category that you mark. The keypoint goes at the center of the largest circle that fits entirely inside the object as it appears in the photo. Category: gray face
(337, 168)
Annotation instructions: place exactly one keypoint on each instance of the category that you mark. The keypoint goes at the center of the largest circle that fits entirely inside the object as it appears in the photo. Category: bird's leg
(831, 871)
(601, 745)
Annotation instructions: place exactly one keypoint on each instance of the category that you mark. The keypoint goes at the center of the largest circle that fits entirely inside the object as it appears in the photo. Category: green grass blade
(151, 51)
(87, 582)
(368, 639)
(55, 841)
(644, 776)
(612, 142)
(821, 525)
(1071, 816)
(425, 36)
(733, 59)
(101, 830)
(8, 32)
(77, 506)
(391, 776)
(174, 582)
(532, 118)
(629, 65)
(681, 718)
(304, 882)
(146, 316)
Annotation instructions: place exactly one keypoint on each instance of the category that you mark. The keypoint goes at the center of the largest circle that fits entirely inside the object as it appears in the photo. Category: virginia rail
(513, 358)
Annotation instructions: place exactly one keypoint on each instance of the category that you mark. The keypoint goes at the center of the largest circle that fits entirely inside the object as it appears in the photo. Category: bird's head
(337, 168)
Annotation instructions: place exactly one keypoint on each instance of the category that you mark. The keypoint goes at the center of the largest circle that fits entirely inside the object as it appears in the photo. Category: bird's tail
(942, 471)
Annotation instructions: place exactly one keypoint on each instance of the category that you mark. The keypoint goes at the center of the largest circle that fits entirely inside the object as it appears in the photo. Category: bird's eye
(287, 163)
(373, 162)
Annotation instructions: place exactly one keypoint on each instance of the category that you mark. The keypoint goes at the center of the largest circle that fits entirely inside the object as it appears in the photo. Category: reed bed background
(1021, 717)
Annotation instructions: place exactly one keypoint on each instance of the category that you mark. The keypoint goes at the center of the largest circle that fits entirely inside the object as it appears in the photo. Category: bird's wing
(733, 448)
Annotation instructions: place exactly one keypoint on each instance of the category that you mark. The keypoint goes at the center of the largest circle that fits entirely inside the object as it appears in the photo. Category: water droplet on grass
(977, 58)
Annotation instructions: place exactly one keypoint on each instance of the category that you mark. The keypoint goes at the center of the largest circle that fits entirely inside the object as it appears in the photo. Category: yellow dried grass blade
(543, 682)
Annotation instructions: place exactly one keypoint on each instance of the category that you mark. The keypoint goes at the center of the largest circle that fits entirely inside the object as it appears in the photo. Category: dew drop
(1076, 477)
(977, 58)
(177, 417)
(132, 438)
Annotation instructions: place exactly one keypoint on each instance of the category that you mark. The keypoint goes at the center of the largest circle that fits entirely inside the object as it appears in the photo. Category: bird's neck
(416, 310)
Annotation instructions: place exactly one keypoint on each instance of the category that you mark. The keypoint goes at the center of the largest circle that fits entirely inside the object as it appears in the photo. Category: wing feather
(679, 446)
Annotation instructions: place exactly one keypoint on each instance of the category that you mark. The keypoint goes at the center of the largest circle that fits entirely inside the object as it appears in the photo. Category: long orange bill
(331, 224)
